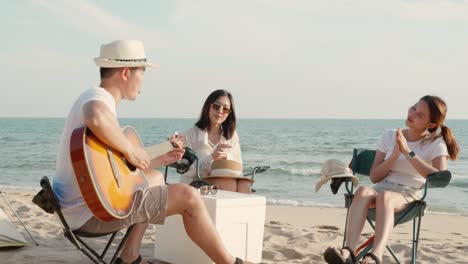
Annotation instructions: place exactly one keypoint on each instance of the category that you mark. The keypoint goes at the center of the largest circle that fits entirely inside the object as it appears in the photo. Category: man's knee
(154, 177)
(186, 194)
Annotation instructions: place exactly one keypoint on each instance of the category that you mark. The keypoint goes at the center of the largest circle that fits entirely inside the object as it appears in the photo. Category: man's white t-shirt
(64, 182)
(402, 172)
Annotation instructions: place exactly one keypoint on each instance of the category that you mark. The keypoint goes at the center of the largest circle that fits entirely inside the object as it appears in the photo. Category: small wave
(272, 201)
(459, 182)
(19, 188)
(299, 163)
(446, 213)
(295, 171)
(305, 172)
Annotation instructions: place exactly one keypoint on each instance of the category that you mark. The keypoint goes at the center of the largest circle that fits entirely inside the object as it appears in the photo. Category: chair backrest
(47, 200)
(362, 161)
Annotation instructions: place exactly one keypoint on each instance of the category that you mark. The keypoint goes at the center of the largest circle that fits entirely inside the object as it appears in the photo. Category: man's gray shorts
(150, 205)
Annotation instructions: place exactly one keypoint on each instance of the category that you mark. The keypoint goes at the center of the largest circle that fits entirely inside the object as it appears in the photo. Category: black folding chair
(47, 200)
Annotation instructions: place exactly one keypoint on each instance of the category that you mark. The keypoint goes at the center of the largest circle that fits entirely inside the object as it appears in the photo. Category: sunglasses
(216, 106)
(208, 189)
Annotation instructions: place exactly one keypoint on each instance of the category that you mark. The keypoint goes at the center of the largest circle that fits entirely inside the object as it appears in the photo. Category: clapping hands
(401, 145)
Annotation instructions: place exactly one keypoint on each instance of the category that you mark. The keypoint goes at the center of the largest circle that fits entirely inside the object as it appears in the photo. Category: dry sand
(292, 235)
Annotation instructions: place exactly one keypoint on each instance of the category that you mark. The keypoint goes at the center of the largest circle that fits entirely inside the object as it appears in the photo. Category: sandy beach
(292, 235)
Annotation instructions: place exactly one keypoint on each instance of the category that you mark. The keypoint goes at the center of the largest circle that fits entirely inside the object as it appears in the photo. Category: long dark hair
(437, 113)
(229, 125)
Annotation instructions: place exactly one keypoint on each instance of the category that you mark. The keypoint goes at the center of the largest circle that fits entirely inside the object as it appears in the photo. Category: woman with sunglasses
(403, 159)
(214, 137)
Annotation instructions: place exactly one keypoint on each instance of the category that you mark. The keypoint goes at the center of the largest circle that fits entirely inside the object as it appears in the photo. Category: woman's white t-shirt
(402, 172)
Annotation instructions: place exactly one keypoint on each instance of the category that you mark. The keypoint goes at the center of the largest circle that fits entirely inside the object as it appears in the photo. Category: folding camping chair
(47, 200)
(183, 165)
(361, 164)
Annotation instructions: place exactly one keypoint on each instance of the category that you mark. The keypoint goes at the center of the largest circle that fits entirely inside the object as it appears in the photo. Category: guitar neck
(157, 150)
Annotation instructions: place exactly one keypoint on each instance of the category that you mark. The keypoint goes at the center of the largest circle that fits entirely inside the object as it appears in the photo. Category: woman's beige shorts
(409, 193)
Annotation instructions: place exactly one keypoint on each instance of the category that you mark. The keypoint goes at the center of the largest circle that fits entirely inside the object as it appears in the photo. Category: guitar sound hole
(128, 164)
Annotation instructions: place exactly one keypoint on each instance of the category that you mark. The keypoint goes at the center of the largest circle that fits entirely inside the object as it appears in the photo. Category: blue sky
(279, 58)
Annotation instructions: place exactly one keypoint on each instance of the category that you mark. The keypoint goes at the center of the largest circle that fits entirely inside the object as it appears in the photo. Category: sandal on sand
(136, 261)
(373, 257)
(335, 256)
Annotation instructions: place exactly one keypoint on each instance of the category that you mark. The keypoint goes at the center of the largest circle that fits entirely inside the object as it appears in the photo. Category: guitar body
(107, 182)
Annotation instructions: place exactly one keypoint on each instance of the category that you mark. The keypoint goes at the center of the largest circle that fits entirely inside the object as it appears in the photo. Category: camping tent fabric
(9, 237)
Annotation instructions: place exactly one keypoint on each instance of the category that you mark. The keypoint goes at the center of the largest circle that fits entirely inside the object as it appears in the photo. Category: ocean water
(294, 149)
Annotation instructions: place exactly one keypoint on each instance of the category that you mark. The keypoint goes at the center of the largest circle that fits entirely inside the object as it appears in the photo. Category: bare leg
(386, 204)
(131, 249)
(363, 199)
(154, 177)
(226, 184)
(184, 200)
(243, 186)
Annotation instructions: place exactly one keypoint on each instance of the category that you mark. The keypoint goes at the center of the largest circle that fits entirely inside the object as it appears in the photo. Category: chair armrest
(184, 164)
(257, 169)
(336, 183)
(439, 179)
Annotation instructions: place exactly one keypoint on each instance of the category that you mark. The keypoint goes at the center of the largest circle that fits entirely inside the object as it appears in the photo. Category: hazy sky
(279, 58)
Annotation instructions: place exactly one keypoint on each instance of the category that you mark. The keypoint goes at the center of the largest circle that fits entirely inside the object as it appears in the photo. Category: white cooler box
(239, 219)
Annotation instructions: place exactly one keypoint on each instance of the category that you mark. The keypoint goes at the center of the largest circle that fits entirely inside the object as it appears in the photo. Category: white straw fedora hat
(123, 53)
(333, 168)
(226, 169)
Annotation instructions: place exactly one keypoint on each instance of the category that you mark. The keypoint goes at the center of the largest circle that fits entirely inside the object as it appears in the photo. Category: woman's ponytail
(452, 145)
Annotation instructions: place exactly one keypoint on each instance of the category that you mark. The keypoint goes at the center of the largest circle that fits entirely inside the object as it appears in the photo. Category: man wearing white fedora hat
(122, 66)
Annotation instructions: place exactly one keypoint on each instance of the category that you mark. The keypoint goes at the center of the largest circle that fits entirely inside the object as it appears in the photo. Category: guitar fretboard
(159, 149)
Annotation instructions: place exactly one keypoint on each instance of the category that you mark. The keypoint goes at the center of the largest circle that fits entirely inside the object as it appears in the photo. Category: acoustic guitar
(107, 181)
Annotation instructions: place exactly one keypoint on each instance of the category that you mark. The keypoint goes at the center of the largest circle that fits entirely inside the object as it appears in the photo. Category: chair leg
(95, 256)
(416, 228)
(371, 244)
(122, 243)
(348, 200)
(109, 243)
(345, 227)
(364, 251)
(90, 256)
(89, 251)
(393, 254)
